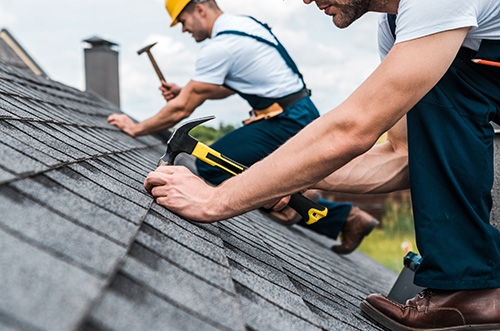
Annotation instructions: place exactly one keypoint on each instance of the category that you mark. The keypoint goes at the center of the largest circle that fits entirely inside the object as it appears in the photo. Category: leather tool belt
(276, 108)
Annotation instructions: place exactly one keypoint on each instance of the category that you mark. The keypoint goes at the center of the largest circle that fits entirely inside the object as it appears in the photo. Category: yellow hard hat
(174, 8)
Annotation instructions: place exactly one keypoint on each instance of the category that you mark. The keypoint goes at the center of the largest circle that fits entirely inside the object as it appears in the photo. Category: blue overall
(450, 143)
(256, 140)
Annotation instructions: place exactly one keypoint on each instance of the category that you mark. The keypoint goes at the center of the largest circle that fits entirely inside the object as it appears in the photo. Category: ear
(200, 10)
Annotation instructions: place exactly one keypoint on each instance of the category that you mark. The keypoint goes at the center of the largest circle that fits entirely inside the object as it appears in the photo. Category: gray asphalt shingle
(83, 246)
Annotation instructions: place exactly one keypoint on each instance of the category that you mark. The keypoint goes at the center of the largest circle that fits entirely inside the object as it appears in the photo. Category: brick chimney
(101, 69)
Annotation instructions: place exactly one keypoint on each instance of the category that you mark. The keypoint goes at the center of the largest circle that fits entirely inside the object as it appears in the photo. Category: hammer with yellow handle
(181, 142)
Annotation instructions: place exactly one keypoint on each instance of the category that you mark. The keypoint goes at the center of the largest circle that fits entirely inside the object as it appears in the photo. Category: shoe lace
(426, 293)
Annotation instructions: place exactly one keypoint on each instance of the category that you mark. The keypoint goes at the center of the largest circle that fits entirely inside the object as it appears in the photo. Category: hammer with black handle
(181, 142)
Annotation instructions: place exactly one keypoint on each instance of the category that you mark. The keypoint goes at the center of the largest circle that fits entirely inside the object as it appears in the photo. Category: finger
(279, 216)
(281, 204)
(163, 201)
(154, 179)
(159, 191)
(173, 169)
(287, 214)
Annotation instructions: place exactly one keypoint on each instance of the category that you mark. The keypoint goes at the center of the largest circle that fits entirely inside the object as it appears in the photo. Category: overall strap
(391, 18)
(279, 47)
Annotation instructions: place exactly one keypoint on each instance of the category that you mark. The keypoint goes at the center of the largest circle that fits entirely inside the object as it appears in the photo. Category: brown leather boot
(357, 225)
(437, 310)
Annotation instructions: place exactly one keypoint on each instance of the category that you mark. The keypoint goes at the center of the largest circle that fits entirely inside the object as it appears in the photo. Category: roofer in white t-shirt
(242, 55)
(437, 89)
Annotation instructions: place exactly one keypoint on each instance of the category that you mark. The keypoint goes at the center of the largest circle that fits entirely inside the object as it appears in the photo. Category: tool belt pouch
(256, 115)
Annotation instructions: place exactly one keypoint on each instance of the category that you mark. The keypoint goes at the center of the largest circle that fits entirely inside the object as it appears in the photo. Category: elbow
(181, 114)
(179, 111)
(360, 138)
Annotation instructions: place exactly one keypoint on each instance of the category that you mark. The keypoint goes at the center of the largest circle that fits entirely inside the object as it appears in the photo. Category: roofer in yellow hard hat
(242, 55)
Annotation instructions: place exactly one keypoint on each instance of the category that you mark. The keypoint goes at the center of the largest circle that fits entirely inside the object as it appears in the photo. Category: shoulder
(424, 17)
(246, 24)
(214, 49)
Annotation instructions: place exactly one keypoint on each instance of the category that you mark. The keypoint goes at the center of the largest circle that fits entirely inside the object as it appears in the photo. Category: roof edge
(21, 52)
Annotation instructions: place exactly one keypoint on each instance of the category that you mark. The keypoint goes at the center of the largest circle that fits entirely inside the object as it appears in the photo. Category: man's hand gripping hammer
(181, 142)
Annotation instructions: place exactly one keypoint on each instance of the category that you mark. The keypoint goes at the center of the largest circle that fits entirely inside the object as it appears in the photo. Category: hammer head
(181, 142)
(145, 49)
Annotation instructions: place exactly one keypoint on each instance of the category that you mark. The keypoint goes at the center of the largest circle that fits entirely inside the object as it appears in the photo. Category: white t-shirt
(243, 63)
(419, 18)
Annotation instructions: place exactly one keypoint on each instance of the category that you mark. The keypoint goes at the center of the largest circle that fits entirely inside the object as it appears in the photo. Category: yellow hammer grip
(214, 158)
(315, 215)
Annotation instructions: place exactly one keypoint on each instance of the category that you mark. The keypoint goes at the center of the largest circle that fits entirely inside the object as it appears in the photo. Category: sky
(333, 61)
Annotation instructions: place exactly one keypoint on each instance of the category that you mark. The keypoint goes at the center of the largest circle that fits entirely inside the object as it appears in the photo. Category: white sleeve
(212, 65)
(385, 36)
(425, 17)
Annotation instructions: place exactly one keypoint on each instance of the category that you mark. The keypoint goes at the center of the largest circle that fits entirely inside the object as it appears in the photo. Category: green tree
(208, 135)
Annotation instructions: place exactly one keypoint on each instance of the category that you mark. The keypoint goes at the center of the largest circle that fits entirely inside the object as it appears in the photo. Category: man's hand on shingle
(124, 123)
(178, 189)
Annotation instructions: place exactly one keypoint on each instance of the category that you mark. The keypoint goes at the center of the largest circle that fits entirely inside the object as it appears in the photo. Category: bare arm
(327, 144)
(189, 98)
(384, 168)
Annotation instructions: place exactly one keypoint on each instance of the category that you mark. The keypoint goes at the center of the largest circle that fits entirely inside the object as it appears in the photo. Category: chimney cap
(99, 42)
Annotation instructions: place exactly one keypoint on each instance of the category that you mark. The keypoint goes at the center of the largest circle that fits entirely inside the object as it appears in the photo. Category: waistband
(290, 99)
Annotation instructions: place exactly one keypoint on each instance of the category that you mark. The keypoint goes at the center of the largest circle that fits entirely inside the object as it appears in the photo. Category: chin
(341, 24)
(199, 39)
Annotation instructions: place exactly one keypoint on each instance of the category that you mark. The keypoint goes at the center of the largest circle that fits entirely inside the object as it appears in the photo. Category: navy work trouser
(450, 141)
(253, 142)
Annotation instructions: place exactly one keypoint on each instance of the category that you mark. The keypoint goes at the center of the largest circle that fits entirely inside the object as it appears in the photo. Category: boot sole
(369, 228)
(375, 315)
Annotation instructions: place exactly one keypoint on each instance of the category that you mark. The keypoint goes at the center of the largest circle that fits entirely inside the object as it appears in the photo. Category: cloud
(174, 55)
(6, 18)
(265, 10)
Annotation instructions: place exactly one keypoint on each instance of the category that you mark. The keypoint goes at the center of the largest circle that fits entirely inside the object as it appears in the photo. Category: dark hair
(209, 3)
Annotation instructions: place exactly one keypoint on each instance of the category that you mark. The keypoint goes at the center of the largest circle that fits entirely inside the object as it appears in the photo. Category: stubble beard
(350, 13)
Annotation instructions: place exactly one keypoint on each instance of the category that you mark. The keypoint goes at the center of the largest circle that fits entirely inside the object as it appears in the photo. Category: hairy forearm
(384, 168)
(380, 170)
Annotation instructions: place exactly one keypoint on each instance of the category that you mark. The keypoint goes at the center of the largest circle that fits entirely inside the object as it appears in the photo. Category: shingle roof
(12, 53)
(84, 246)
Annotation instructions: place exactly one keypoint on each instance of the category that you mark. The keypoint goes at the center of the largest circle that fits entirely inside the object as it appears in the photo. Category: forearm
(384, 168)
(166, 118)
(321, 148)
(380, 170)
(190, 97)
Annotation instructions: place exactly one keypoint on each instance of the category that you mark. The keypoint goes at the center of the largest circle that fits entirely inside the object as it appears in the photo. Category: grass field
(387, 249)
(389, 244)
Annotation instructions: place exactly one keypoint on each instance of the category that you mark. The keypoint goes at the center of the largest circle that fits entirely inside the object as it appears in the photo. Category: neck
(213, 16)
